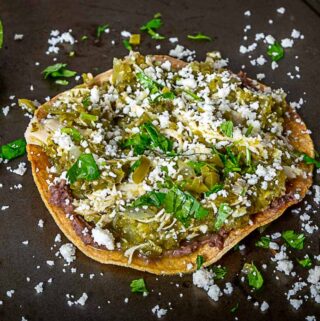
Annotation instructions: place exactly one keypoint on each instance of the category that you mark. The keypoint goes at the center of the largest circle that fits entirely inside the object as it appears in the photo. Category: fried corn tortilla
(73, 224)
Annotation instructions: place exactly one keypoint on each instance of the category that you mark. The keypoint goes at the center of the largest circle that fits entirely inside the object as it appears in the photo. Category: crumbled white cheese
(103, 237)
(68, 251)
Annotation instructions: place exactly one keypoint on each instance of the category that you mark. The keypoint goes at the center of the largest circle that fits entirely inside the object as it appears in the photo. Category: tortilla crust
(300, 139)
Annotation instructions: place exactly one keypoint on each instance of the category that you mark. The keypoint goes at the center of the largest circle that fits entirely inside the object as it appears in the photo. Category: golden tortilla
(173, 265)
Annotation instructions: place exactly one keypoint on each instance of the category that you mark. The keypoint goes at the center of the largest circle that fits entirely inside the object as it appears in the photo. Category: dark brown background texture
(225, 21)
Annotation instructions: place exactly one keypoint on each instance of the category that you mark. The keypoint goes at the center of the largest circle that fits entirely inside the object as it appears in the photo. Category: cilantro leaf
(168, 95)
(263, 242)
(1, 34)
(152, 198)
(234, 308)
(224, 212)
(148, 138)
(62, 82)
(192, 95)
(199, 37)
(84, 168)
(254, 277)
(135, 165)
(293, 239)
(309, 160)
(147, 83)
(58, 71)
(101, 29)
(86, 102)
(306, 262)
(74, 133)
(13, 149)
(138, 286)
(214, 189)
(126, 44)
(275, 51)
(227, 128)
(199, 261)
(152, 25)
(183, 205)
(219, 272)
(196, 166)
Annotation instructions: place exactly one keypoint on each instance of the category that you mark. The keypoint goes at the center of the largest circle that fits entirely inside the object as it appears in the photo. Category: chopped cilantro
(199, 261)
(224, 212)
(199, 37)
(152, 25)
(127, 44)
(84, 168)
(234, 308)
(74, 133)
(148, 138)
(196, 166)
(147, 83)
(309, 160)
(306, 262)
(62, 82)
(254, 277)
(227, 128)
(214, 189)
(101, 29)
(86, 102)
(293, 239)
(152, 198)
(275, 51)
(58, 70)
(168, 95)
(135, 165)
(138, 286)
(183, 206)
(192, 95)
(13, 149)
(1, 34)
(249, 131)
(219, 272)
(263, 242)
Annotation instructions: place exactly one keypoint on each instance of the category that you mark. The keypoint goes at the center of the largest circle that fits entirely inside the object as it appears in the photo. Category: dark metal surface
(221, 19)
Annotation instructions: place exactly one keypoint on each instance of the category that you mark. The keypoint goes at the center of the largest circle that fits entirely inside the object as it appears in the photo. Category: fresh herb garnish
(306, 262)
(293, 239)
(168, 95)
(101, 29)
(147, 83)
(227, 128)
(192, 95)
(138, 286)
(230, 161)
(199, 261)
(311, 161)
(275, 51)
(74, 133)
(135, 165)
(254, 277)
(152, 198)
(86, 102)
(263, 242)
(199, 37)
(183, 206)
(151, 26)
(148, 138)
(62, 82)
(234, 308)
(1, 34)
(224, 212)
(126, 44)
(249, 131)
(58, 70)
(214, 189)
(84, 168)
(196, 165)
(219, 272)
(13, 149)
